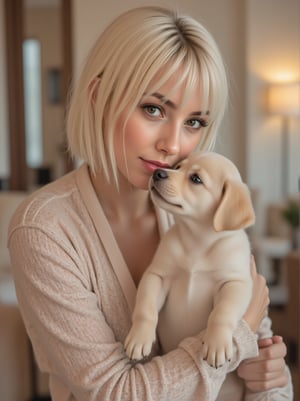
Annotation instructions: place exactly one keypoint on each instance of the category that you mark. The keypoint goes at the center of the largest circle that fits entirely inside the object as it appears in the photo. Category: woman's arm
(75, 344)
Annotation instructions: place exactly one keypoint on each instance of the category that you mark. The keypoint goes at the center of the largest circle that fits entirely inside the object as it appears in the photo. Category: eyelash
(202, 122)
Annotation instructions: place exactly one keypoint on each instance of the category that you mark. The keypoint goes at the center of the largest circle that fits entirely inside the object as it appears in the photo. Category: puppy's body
(200, 275)
(192, 286)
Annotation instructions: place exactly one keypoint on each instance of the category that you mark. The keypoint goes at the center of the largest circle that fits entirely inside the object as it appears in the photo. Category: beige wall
(273, 55)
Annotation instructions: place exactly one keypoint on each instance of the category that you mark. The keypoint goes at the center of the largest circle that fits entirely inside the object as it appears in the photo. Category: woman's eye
(196, 123)
(196, 179)
(151, 110)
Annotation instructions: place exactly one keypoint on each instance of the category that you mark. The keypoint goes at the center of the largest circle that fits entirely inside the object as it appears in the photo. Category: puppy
(200, 275)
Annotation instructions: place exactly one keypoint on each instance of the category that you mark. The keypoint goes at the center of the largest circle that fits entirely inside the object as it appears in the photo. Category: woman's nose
(169, 141)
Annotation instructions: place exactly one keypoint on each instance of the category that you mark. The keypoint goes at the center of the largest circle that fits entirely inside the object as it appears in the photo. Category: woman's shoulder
(50, 203)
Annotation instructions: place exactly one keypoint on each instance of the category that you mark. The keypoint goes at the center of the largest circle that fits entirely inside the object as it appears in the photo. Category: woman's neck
(123, 204)
(133, 221)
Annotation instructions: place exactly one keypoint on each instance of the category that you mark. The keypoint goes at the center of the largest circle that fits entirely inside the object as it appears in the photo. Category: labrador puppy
(200, 276)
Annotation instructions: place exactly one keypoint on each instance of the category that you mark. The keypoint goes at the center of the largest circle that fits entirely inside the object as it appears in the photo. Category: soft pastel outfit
(76, 297)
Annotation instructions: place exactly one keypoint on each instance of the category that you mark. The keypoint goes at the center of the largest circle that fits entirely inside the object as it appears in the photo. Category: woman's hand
(258, 307)
(267, 370)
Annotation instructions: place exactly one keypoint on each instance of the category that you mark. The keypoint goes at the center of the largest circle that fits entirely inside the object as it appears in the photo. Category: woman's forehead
(180, 88)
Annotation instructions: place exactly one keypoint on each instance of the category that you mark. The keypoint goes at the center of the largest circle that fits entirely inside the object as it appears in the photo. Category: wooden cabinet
(292, 266)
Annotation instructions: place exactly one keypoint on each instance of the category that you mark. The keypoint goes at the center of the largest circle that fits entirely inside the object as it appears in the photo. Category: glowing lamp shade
(284, 99)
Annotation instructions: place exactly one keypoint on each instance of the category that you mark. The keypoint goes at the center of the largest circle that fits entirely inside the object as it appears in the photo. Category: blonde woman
(153, 90)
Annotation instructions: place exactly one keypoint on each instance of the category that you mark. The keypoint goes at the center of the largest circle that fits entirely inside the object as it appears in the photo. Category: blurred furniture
(270, 250)
(14, 350)
(9, 201)
(286, 318)
(292, 318)
(272, 245)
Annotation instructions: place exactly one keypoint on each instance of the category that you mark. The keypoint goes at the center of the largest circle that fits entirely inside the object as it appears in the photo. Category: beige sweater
(76, 296)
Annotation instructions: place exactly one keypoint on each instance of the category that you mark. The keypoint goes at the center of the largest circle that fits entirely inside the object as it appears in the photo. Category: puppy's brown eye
(196, 179)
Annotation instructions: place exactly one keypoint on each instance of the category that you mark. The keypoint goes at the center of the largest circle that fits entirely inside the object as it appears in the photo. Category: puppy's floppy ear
(235, 210)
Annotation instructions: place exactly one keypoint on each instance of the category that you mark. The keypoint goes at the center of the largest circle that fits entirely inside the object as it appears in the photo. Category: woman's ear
(235, 210)
(93, 89)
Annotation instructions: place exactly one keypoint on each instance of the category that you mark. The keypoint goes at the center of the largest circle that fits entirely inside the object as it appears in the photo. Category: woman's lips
(152, 165)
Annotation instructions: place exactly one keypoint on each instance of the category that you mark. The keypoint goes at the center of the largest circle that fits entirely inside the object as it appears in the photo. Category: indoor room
(43, 47)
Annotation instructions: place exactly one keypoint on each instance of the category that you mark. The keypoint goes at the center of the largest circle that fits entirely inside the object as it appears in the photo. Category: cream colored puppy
(200, 275)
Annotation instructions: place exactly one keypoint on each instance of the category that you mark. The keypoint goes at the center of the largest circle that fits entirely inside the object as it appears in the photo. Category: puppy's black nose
(159, 175)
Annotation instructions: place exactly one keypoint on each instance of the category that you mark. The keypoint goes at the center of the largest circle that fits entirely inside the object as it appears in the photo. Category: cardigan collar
(106, 235)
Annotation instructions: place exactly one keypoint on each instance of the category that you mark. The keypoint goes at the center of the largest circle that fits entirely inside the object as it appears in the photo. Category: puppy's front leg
(230, 304)
(139, 341)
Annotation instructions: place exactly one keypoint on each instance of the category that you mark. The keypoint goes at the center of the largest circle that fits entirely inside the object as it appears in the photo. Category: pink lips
(152, 165)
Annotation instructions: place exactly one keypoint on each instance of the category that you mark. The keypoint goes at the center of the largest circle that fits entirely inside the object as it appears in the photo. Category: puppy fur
(200, 275)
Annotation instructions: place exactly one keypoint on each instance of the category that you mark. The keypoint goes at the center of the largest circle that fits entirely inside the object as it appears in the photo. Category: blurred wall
(44, 24)
(4, 150)
(273, 56)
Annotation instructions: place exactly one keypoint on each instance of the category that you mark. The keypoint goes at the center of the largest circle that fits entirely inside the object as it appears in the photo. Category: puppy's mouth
(159, 195)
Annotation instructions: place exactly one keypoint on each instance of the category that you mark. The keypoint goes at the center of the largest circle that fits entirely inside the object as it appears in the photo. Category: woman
(153, 90)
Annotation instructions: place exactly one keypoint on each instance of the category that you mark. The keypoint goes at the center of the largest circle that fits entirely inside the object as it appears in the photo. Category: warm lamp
(284, 101)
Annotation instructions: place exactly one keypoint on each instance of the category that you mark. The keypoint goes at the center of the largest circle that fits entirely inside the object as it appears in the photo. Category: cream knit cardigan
(76, 297)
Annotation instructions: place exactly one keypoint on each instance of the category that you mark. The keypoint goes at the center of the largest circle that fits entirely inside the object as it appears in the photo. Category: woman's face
(162, 130)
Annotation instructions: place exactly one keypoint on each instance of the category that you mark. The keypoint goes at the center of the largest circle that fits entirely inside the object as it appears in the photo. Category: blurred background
(43, 45)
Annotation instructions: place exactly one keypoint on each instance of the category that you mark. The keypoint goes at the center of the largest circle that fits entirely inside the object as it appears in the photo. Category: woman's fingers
(267, 370)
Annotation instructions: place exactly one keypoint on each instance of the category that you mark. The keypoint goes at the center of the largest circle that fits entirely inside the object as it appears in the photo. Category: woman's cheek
(189, 146)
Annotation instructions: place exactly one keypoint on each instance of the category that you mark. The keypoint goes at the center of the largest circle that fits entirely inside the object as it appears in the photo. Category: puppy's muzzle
(162, 188)
(160, 175)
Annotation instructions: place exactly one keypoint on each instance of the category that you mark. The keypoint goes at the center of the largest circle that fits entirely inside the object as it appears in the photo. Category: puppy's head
(206, 187)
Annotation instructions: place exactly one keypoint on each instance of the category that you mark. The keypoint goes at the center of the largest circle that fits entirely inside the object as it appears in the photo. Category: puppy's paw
(217, 347)
(139, 341)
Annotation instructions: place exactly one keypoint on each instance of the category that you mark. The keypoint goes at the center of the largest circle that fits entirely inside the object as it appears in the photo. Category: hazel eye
(152, 110)
(194, 123)
(196, 179)
(197, 124)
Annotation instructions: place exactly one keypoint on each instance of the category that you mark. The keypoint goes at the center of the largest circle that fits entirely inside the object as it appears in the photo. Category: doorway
(37, 141)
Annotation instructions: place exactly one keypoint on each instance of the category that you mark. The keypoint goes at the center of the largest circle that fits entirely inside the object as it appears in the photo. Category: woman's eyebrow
(164, 100)
(171, 104)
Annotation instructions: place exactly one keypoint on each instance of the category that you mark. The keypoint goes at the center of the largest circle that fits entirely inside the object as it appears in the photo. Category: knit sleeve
(75, 344)
(275, 394)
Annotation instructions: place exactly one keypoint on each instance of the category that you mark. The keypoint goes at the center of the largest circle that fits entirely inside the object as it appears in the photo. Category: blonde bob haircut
(126, 64)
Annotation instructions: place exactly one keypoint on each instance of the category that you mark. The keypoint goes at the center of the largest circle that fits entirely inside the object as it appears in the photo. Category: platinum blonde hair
(124, 62)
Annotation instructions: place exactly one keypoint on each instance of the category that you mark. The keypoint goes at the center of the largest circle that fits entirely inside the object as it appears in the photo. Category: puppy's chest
(196, 262)
(187, 306)
(190, 286)
(194, 281)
